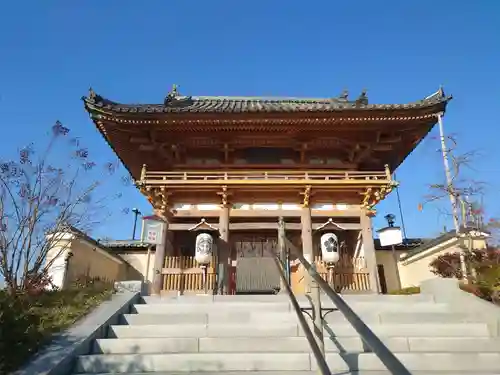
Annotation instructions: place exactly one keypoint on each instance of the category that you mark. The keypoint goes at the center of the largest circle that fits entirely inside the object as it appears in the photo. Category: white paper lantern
(204, 248)
(330, 248)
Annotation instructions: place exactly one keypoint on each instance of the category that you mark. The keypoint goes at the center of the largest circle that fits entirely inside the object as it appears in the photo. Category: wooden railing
(273, 176)
(184, 274)
(349, 275)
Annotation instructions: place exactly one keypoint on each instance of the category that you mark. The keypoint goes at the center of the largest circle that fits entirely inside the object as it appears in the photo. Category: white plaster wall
(416, 270)
(57, 270)
(139, 261)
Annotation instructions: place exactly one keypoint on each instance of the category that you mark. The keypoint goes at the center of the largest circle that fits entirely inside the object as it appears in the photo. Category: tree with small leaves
(44, 195)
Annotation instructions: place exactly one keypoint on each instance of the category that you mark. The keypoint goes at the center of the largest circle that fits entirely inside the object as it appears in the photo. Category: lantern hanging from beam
(330, 247)
(204, 248)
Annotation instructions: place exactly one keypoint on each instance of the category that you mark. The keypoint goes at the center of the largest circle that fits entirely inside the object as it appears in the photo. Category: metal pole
(282, 250)
(148, 261)
(136, 214)
(205, 281)
(400, 209)
(316, 309)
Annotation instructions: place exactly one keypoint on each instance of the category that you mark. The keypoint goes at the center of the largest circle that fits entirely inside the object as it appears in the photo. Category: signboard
(390, 236)
(153, 232)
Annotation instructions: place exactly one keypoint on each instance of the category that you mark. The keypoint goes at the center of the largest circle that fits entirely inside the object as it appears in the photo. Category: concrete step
(210, 307)
(216, 362)
(284, 298)
(285, 329)
(220, 362)
(411, 330)
(202, 330)
(359, 307)
(290, 344)
(253, 317)
(449, 362)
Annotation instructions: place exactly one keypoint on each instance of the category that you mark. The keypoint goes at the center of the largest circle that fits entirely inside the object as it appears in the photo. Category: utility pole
(451, 190)
(447, 171)
(136, 214)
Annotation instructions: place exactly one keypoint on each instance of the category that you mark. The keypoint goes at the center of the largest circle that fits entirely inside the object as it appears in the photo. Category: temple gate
(266, 174)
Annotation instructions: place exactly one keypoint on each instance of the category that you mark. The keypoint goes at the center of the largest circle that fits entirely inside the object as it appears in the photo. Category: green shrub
(19, 331)
(406, 291)
(27, 322)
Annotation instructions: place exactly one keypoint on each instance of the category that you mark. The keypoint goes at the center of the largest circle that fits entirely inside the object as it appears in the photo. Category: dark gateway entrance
(256, 271)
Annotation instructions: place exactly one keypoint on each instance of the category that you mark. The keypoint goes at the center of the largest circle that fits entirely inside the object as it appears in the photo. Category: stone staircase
(248, 335)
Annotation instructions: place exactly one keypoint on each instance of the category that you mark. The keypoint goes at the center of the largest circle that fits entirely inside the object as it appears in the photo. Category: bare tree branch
(40, 204)
(463, 188)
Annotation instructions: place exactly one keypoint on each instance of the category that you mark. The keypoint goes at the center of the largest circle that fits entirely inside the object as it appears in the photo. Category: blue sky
(52, 51)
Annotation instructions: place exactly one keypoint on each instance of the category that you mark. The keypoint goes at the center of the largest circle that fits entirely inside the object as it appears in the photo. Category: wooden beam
(147, 147)
(187, 226)
(363, 154)
(268, 213)
(382, 147)
(139, 140)
(391, 139)
(264, 226)
(288, 226)
(180, 271)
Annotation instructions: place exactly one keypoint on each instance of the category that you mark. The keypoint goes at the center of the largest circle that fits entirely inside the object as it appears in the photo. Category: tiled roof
(125, 244)
(439, 240)
(176, 103)
(407, 245)
(80, 234)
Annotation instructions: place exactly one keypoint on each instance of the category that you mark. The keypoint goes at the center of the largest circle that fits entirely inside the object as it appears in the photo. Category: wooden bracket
(307, 196)
(224, 194)
(160, 198)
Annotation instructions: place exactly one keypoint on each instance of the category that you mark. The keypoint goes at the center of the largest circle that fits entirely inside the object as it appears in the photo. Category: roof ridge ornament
(441, 91)
(362, 98)
(344, 95)
(93, 97)
(174, 98)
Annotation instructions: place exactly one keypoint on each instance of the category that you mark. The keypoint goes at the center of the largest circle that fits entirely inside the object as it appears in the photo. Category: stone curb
(58, 357)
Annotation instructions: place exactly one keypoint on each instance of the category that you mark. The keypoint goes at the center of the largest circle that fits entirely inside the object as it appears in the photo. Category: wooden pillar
(223, 256)
(369, 250)
(282, 250)
(160, 252)
(307, 242)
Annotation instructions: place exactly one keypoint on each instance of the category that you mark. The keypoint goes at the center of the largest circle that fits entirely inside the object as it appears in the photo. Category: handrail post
(317, 315)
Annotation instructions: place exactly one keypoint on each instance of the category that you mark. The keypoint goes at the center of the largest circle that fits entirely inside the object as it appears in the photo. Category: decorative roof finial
(441, 91)
(344, 95)
(362, 98)
(174, 98)
(173, 94)
(175, 91)
(92, 94)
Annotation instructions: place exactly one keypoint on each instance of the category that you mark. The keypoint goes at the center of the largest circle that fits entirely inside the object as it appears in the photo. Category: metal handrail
(316, 350)
(390, 361)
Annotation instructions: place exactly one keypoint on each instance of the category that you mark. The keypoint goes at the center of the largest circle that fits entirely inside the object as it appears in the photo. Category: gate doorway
(256, 271)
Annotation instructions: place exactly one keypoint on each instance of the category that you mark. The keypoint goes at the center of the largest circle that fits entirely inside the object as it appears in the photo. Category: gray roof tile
(235, 104)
